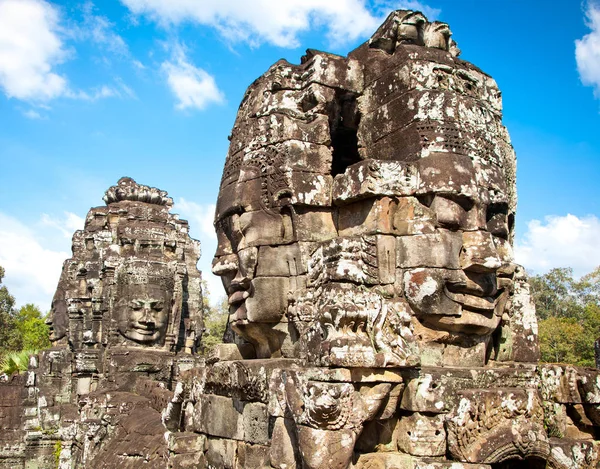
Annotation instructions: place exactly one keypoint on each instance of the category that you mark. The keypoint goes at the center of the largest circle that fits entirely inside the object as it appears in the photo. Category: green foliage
(555, 294)
(31, 328)
(8, 337)
(558, 337)
(569, 313)
(16, 362)
(24, 329)
(215, 320)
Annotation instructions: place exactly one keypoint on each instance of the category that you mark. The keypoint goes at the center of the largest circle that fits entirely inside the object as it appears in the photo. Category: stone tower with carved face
(377, 319)
(365, 222)
(125, 319)
(367, 206)
(132, 281)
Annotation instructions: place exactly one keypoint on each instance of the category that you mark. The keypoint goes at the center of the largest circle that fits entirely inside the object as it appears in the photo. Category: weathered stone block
(374, 178)
(572, 454)
(255, 133)
(411, 217)
(365, 217)
(252, 456)
(256, 423)
(232, 419)
(187, 461)
(439, 249)
(186, 442)
(219, 416)
(284, 445)
(268, 300)
(231, 352)
(483, 426)
(406, 461)
(314, 224)
(333, 70)
(450, 173)
(282, 261)
(221, 453)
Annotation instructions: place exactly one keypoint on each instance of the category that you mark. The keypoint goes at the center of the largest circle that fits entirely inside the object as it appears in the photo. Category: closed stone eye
(451, 212)
(497, 222)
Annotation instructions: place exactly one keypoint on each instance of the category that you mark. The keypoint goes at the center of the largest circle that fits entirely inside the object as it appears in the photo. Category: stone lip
(128, 189)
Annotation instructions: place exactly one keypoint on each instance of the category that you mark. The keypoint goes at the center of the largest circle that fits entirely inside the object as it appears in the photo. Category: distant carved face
(143, 311)
(57, 319)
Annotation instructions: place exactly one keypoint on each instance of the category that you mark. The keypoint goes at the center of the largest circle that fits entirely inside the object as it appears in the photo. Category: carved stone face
(466, 289)
(259, 274)
(447, 244)
(143, 309)
(400, 194)
(57, 319)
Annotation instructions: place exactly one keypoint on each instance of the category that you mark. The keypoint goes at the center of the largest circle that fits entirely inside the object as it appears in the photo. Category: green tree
(215, 320)
(569, 313)
(31, 328)
(15, 362)
(8, 335)
(558, 339)
(20, 330)
(588, 287)
(555, 294)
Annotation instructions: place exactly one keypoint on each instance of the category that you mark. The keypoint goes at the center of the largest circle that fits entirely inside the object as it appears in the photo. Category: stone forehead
(439, 172)
(398, 110)
(146, 273)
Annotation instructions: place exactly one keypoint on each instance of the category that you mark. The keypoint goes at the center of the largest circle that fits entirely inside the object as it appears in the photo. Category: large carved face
(416, 175)
(259, 274)
(457, 274)
(144, 304)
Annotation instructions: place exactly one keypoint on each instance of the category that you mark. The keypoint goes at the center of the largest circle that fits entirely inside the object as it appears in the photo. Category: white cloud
(32, 271)
(587, 50)
(103, 91)
(192, 86)
(30, 48)
(31, 114)
(273, 21)
(200, 216)
(566, 241)
(32, 45)
(67, 224)
(100, 30)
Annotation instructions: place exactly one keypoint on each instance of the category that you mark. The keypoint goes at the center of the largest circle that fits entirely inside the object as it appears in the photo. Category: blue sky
(149, 89)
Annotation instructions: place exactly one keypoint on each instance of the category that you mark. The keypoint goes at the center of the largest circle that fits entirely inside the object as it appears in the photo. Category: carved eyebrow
(466, 202)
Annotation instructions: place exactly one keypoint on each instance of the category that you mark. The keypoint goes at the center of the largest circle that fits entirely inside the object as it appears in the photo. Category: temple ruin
(377, 319)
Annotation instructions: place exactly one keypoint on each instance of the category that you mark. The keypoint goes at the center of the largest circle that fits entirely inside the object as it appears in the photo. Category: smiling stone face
(144, 292)
(458, 277)
(132, 279)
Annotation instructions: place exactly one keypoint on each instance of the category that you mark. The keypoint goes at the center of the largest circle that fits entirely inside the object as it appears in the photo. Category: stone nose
(247, 260)
(479, 253)
(147, 315)
(241, 281)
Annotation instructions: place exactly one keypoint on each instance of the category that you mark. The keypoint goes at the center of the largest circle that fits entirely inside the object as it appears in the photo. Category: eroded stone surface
(125, 320)
(377, 319)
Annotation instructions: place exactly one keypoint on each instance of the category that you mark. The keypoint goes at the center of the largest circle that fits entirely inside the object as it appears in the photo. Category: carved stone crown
(128, 189)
